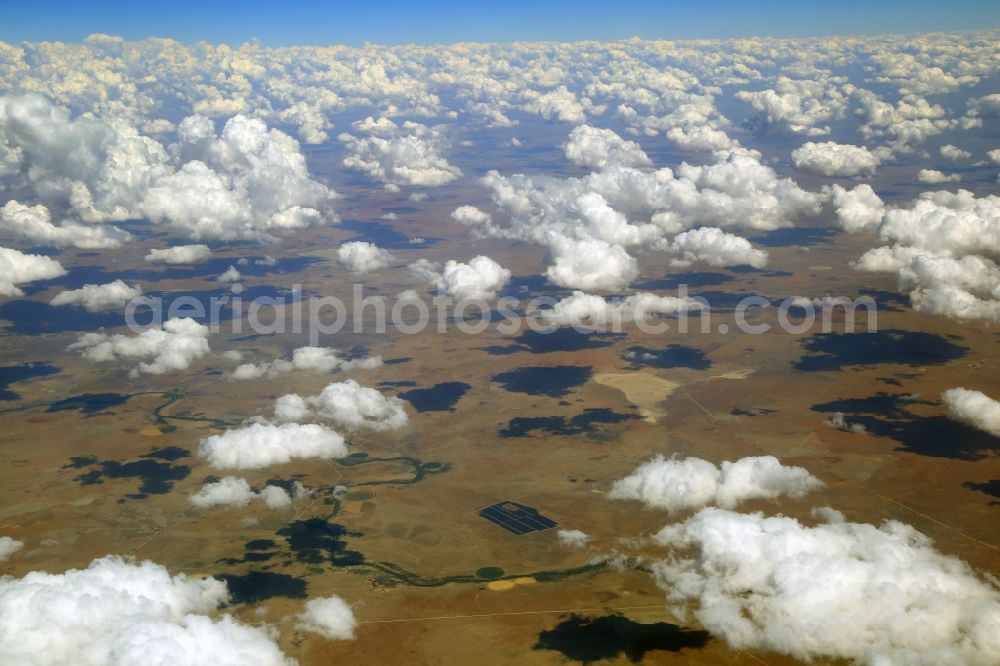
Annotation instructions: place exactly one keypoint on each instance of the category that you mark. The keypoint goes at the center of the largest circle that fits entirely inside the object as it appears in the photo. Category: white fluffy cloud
(559, 103)
(360, 257)
(275, 497)
(179, 254)
(933, 176)
(966, 288)
(988, 105)
(795, 106)
(174, 346)
(675, 485)
(857, 209)
(572, 538)
(974, 408)
(590, 225)
(34, 225)
(874, 595)
(347, 404)
(99, 168)
(407, 155)
(957, 223)
(597, 148)
(99, 297)
(322, 360)
(481, 278)
(227, 491)
(234, 491)
(229, 275)
(941, 253)
(124, 613)
(716, 248)
(834, 159)
(590, 264)
(20, 268)
(583, 310)
(330, 617)
(470, 215)
(246, 182)
(264, 444)
(954, 153)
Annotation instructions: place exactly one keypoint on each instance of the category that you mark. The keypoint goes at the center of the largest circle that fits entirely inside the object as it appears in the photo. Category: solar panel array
(516, 518)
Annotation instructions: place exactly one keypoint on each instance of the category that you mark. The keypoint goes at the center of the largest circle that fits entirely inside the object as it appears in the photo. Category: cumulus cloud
(261, 445)
(857, 209)
(347, 404)
(796, 106)
(227, 491)
(179, 254)
(173, 346)
(470, 215)
(933, 176)
(120, 612)
(8, 547)
(34, 225)
(98, 168)
(974, 408)
(988, 105)
(736, 191)
(966, 288)
(229, 275)
(321, 360)
(889, 259)
(954, 153)
(20, 268)
(99, 297)
(689, 483)
(330, 617)
(958, 223)
(874, 595)
(687, 119)
(360, 257)
(582, 310)
(482, 277)
(275, 497)
(941, 249)
(560, 103)
(590, 264)
(834, 159)
(593, 226)
(234, 491)
(425, 270)
(716, 248)
(407, 155)
(597, 148)
(905, 125)
(572, 538)
(246, 182)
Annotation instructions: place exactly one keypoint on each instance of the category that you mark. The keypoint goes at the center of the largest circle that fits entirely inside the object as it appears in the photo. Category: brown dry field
(431, 527)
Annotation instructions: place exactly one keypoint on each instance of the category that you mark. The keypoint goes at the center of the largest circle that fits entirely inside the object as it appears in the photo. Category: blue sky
(394, 21)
